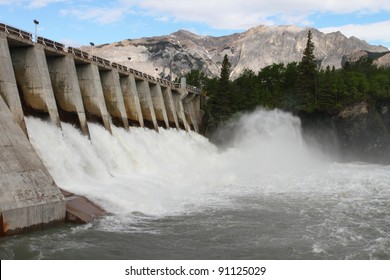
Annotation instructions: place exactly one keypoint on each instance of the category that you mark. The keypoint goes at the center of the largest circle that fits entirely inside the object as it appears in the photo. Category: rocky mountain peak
(182, 51)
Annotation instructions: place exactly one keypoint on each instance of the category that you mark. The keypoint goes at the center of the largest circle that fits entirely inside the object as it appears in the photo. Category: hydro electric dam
(47, 79)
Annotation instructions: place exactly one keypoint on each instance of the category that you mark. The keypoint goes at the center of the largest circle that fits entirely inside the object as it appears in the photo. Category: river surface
(266, 194)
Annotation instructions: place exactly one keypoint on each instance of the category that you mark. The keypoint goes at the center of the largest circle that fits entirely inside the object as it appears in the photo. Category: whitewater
(265, 193)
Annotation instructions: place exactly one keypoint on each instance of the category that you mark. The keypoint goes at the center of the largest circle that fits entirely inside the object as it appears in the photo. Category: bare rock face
(180, 52)
(380, 59)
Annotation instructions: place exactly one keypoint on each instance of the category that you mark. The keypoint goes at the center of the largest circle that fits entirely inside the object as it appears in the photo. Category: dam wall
(46, 79)
(28, 195)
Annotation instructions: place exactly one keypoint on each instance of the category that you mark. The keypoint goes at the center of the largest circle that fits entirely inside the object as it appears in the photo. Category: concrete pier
(146, 102)
(177, 100)
(158, 104)
(92, 93)
(113, 96)
(8, 86)
(170, 106)
(29, 197)
(189, 111)
(66, 88)
(32, 76)
(131, 99)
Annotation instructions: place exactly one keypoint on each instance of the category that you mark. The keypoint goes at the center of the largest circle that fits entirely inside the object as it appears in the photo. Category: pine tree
(220, 104)
(307, 79)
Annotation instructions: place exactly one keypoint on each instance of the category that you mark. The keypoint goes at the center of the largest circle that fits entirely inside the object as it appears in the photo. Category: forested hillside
(299, 87)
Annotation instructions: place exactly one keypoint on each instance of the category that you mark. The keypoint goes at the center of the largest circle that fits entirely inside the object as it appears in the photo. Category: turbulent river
(266, 194)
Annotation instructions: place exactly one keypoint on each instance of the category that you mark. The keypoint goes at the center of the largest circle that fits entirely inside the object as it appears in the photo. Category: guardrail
(16, 32)
(51, 44)
(9, 30)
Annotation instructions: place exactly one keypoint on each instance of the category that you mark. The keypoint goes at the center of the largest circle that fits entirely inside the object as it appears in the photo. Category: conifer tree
(220, 106)
(308, 75)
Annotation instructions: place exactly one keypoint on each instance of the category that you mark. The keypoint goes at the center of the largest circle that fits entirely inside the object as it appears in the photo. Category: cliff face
(360, 132)
(178, 53)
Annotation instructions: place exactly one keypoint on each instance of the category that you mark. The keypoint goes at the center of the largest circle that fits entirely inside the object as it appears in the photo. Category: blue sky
(79, 22)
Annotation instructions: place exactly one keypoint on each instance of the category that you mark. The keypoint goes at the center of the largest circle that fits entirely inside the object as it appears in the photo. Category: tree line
(296, 87)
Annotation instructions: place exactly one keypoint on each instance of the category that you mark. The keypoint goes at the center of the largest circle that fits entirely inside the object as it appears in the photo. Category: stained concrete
(92, 93)
(32, 76)
(131, 99)
(66, 87)
(158, 104)
(189, 111)
(146, 102)
(177, 96)
(28, 195)
(170, 106)
(8, 86)
(113, 96)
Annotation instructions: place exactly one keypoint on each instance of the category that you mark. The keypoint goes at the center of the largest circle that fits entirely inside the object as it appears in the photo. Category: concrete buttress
(113, 96)
(92, 93)
(131, 99)
(8, 87)
(146, 102)
(158, 104)
(189, 111)
(170, 106)
(29, 198)
(66, 88)
(32, 76)
(177, 99)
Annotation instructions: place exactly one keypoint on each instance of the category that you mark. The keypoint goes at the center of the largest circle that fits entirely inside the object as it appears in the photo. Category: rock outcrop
(176, 54)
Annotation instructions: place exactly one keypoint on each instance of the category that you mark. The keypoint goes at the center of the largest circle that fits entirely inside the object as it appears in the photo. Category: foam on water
(265, 167)
(160, 173)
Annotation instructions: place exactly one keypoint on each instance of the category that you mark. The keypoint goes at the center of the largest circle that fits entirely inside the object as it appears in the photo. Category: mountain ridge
(176, 54)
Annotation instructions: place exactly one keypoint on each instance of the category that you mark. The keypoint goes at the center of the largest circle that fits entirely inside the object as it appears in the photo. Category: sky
(77, 23)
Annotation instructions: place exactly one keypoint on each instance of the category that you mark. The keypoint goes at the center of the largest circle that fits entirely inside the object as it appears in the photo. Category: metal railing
(9, 30)
(51, 44)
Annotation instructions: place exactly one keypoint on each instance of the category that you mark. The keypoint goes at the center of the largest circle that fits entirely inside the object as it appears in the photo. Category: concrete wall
(189, 110)
(177, 100)
(113, 96)
(66, 87)
(92, 93)
(158, 104)
(146, 102)
(170, 107)
(8, 87)
(28, 194)
(131, 99)
(32, 76)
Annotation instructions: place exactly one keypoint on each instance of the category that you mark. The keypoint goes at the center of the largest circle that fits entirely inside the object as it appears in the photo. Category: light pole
(92, 44)
(36, 28)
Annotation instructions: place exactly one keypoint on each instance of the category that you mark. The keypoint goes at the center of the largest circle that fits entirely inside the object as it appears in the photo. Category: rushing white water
(167, 172)
(266, 187)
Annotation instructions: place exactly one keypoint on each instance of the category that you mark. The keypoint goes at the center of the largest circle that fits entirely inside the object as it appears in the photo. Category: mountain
(178, 53)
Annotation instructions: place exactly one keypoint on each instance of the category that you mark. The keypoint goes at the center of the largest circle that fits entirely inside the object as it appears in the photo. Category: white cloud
(233, 14)
(103, 15)
(378, 31)
(42, 3)
(34, 4)
(227, 14)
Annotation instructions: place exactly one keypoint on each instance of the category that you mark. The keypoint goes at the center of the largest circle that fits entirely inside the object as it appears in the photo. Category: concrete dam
(47, 79)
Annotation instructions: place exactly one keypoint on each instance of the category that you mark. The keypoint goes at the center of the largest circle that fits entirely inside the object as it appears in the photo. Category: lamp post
(36, 28)
(92, 44)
